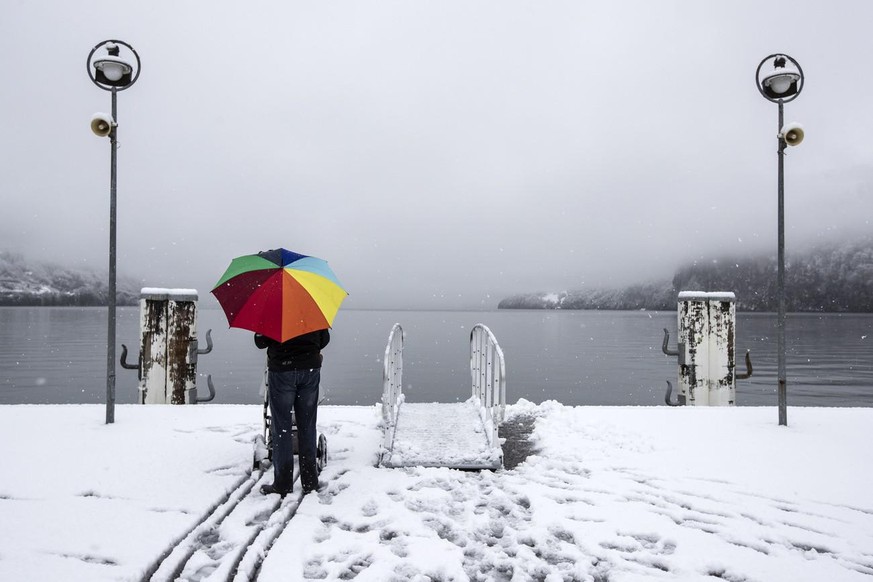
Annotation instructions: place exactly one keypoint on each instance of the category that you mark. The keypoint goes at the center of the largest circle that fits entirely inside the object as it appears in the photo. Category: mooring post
(707, 324)
(168, 351)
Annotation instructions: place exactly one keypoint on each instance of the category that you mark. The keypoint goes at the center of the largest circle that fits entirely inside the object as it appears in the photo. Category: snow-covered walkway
(442, 434)
(615, 494)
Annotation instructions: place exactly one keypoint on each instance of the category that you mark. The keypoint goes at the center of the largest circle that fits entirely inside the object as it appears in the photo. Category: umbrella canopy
(279, 293)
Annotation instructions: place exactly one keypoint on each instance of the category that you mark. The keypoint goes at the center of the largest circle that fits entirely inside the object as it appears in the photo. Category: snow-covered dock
(610, 493)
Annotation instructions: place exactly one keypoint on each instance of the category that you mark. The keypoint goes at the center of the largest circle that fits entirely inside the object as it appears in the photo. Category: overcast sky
(436, 153)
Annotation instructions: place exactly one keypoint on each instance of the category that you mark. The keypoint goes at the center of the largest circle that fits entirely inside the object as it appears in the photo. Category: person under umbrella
(293, 377)
(289, 300)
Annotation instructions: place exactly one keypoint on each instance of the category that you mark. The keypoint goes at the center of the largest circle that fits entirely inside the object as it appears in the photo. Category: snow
(168, 293)
(609, 493)
(707, 295)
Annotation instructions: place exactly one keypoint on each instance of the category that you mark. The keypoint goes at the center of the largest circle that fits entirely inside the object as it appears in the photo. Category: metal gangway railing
(461, 434)
(392, 382)
(488, 368)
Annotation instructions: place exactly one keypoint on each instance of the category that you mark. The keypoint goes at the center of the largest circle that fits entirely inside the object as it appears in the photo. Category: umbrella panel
(233, 294)
(245, 264)
(253, 301)
(315, 266)
(281, 257)
(325, 292)
(300, 312)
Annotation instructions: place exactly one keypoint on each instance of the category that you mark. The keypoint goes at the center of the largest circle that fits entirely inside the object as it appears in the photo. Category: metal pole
(110, 341)
(780, 281)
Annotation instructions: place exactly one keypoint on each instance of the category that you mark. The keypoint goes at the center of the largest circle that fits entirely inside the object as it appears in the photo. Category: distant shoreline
(60, 301)
(673, 309)
(476, 310)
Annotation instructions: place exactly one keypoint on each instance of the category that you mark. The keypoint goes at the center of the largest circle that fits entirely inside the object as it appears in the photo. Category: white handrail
(488, 371)
(392, 379)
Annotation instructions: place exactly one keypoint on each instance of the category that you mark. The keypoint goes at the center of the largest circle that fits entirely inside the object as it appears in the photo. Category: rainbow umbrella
(279, 293)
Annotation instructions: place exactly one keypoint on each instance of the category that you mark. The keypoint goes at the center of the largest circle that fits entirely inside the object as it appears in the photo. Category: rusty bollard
(168, 349)
(706, 350)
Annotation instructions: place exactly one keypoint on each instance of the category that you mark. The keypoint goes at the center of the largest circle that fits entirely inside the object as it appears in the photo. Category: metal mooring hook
(667, 351)
(680, 398)
(748, 373)
(208, 343)
(664, 347)
(125, 365)
(208, 384)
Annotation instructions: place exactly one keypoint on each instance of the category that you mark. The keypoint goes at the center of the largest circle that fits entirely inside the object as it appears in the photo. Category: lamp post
(111, 72)
(779, 78)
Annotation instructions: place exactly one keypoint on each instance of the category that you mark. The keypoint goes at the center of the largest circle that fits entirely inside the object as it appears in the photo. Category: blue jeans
(297, 390)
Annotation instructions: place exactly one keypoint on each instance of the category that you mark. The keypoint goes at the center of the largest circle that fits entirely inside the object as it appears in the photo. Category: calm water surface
(58, 355)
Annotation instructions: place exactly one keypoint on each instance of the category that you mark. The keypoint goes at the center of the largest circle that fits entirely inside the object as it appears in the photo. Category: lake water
(57, 355)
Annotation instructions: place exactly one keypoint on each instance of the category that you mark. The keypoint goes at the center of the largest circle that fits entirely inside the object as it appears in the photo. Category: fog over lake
(437, 154)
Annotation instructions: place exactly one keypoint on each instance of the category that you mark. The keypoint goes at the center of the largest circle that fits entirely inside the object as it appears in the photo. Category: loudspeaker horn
(792, 133)
(102, 124)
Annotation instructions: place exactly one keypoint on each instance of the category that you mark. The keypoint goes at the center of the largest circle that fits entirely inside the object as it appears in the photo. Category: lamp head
(111, 69)
(783, 82)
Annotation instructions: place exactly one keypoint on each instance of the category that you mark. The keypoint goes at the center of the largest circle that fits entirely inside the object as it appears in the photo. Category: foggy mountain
(835, 277)
(23, 283)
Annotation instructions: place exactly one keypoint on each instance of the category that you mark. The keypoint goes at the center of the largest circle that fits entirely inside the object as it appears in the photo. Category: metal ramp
(458, 435)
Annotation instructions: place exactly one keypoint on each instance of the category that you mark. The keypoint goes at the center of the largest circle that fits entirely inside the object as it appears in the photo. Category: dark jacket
(298, 353)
